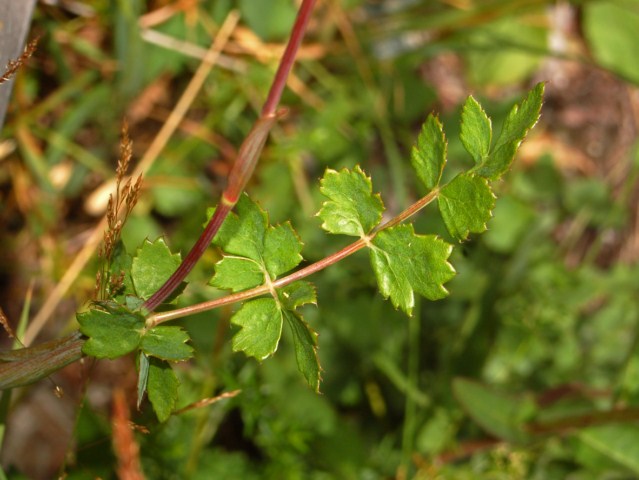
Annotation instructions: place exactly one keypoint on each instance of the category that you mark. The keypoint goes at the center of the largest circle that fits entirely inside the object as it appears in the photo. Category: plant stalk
(246, 161)
(158, 318)
(24, 366)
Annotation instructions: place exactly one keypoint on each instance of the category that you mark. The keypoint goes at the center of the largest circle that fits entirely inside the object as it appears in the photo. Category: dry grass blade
(147, 160)
(209, 401)
(14, 65)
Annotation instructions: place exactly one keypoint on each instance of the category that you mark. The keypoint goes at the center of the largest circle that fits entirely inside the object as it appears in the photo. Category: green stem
(410, 415)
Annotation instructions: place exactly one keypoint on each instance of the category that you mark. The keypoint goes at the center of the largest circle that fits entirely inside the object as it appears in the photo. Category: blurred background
(529, 369)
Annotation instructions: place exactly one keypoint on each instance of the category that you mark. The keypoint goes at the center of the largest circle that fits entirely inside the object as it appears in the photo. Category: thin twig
(14, 65)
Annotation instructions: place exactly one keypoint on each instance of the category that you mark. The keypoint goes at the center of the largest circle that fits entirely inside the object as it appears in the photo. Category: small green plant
(258, 258)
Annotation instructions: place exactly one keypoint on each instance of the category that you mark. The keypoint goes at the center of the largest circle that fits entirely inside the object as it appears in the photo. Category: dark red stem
(191, 258)
(245, 163)
(277, 87)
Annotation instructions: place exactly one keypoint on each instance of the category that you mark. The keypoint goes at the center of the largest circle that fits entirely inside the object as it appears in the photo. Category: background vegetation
(542, 316)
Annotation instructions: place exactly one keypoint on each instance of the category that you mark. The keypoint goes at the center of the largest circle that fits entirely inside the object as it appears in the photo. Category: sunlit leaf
(253, 248)
(282, 249)
(352, 208)
(260, 323)
(476, 130)
(237, 274)
(520, 120)
(466, 204)
(405, 263)
(242, 233)
(429, 154)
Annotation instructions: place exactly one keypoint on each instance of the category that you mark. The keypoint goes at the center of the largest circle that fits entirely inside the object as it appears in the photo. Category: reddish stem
(191, 258)
(245, 163)
(299, 274)
(257, 291)
(277, 87)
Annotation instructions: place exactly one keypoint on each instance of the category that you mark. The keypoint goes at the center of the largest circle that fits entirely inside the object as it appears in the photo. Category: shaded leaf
(611, 29)
(120, 267)
(152, 266)
(167, 343)
(297, 294)
(162, 388)
(237, 273)
(476, 130)
(133, 303)
(405, 263)
(499, 414)
(268, 20)
(305, 340)
(428, 156)
(260, 323)
(143, 376)
(466, 204)
(353, 209)
(618, 442)
(111, 335)
(520, 120)
(282, 249)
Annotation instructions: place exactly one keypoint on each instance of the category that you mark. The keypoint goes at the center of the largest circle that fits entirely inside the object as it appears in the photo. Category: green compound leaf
(305, 340)
(261, 328)
(429, 154)
(282, 249)
(237, 274)
(519, 121)
(260, 323)
(162, 388)
(255, 248)
(242, 233)
(111, 335)
(297, 294)
(466, 204)
(476, 130)
(353, 209)
(405, 263)
(152, 266)
(167, 343)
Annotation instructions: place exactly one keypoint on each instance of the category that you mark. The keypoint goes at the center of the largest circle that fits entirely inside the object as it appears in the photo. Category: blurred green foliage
(541, 324)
